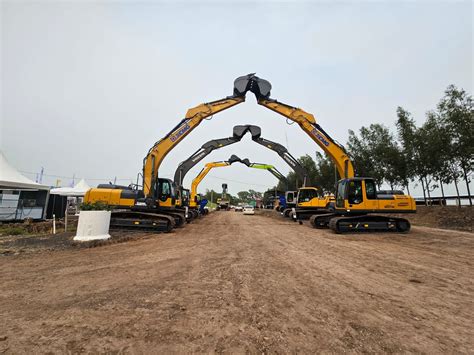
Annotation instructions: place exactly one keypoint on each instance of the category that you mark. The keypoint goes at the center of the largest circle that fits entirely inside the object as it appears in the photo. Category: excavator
(358, 206)
(287, 200)
(218, 164)
(194, 202)
(223, 203)
(238, 132)
(156, 205)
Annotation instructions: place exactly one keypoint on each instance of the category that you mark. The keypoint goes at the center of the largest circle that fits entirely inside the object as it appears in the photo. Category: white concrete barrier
(93, 225)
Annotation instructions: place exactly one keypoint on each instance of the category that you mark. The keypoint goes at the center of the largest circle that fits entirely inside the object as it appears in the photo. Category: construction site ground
(231, 283)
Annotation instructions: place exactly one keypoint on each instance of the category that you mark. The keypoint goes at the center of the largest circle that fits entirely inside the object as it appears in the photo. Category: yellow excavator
(194, 201)
(358, 206)
(156, 205)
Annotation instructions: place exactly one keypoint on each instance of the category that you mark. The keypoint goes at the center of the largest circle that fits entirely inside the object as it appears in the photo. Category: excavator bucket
(240, 130)
(255, 131)
(233, 159)
(260, 87)
(246, 161)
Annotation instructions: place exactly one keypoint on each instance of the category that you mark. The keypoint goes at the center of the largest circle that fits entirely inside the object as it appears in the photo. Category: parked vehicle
(248, 210)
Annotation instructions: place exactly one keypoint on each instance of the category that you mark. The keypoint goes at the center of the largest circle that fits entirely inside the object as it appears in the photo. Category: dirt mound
(444, 217)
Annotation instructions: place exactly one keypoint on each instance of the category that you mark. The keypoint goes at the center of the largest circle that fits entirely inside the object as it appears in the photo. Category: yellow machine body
(111, 197)
(311, 197)
(202, 174)
(359, 195)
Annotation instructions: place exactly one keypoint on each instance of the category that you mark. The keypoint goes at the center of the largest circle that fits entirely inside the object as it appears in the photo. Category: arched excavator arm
(202, 174)
(193, 118)
(238, 132)
(233, 159)
(261, 88)
(270, 168)
(284, 154)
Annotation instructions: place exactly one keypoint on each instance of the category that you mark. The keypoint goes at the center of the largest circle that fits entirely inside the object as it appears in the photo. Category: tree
(326, 173)
(456, 115)
(376, 154)
(309, 164)
(243, 196)
(406, 132)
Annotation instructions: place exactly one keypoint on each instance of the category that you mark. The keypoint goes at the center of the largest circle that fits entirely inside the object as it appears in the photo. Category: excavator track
(321, 221)
(179, 218)
(369, 223)
(142, 221)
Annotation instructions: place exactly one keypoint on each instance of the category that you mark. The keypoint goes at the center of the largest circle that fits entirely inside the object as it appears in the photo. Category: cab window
(355, 192)
(290, 197)
(341, 189)
(370, 190)
(306, 195)
(165, 191)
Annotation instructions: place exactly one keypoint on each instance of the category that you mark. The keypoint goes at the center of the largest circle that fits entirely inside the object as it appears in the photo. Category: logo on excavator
(321, 137)
(198, 157)
(179, 132)
(289, 161)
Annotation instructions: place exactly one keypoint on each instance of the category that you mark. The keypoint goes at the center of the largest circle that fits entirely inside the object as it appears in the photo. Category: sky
(88, 87)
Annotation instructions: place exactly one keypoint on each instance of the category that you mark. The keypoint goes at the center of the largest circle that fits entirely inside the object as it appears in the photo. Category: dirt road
(233, 283)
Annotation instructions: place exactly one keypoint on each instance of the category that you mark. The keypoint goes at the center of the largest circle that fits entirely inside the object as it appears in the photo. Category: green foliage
(326, 173)
(12, 230)
(440, 151)
(376, 154)
(456, 117)
(94, 206)
(242, 196)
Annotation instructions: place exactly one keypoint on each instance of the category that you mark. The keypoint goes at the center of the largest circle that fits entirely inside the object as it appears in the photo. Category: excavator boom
(193, 118)
(262, 88)
(238, 132)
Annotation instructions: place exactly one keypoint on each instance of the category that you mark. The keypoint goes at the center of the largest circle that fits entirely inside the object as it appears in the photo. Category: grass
(12, 230)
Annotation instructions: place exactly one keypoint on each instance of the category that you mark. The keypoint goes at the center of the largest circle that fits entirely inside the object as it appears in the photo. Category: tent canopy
(79, 190)
(12, 179)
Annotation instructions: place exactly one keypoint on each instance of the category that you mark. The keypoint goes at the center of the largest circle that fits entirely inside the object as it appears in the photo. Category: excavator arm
(284, 154)
(202, 174)
(261, 88)
(184, 167)
(209, 166)
(270, 168)
(193, 118)
(238, 132)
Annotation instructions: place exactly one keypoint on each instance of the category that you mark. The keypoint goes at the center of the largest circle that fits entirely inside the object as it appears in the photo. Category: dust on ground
(231, 283)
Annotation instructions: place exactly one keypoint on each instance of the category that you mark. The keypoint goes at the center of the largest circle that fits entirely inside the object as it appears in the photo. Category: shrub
(95, 206)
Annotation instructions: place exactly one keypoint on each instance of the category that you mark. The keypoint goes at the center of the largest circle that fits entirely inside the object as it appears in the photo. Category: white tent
(20, 197)
(12, 178)
(79, 190)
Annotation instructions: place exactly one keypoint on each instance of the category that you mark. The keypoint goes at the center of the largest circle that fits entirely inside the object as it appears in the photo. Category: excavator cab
(312, 200)
(166, 193)
(184, 197)
(360, 195)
